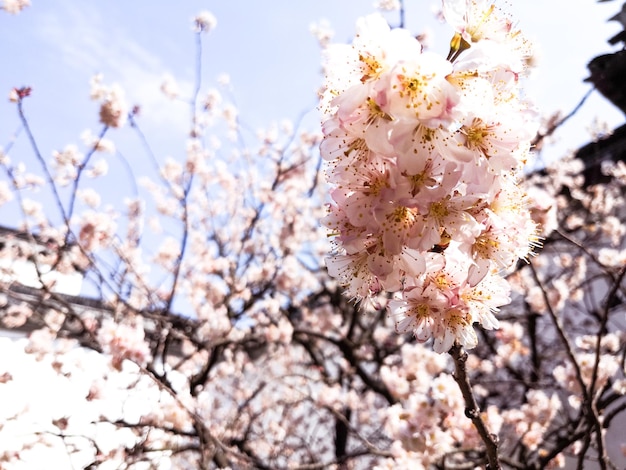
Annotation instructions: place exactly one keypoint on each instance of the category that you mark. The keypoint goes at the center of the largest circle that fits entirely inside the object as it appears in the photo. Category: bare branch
(471, 406)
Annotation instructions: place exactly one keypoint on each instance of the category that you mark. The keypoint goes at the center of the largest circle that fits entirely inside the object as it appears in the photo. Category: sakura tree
(456, 309)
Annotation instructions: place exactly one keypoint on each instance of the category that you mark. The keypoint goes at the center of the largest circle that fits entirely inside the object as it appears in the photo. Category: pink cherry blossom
(421, 156)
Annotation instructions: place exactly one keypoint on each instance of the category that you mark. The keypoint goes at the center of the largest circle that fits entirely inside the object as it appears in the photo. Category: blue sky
(55, 46)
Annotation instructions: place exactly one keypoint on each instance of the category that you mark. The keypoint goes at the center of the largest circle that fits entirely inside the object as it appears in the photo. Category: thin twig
(471, 406)
(402, 14)
(561, 333)
(536, 142)
(42, 161)
(79, 170)
(593, 405)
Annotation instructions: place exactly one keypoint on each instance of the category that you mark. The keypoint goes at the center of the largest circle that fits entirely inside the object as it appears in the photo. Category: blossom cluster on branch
(424, 154)
(14, 6)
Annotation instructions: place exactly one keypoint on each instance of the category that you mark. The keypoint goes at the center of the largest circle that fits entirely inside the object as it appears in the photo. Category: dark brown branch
(555, 124)
(593, 405)
(471, 406)
(347, 349)
(561, 333)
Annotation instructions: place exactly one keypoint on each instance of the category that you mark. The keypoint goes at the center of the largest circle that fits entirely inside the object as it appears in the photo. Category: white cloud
(87, 46)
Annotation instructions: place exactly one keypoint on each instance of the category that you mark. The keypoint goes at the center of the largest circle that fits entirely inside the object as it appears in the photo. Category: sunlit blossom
(14, 6)
(422, 155)
(204, 22)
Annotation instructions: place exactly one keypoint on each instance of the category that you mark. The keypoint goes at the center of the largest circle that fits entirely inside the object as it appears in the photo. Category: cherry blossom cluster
(14, 6)
(113, 107)
(424, 154)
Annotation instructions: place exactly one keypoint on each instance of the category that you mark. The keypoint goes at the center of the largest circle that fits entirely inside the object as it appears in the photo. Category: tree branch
(471, 406)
